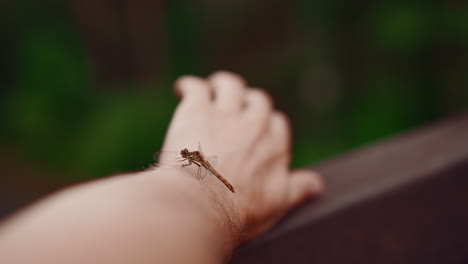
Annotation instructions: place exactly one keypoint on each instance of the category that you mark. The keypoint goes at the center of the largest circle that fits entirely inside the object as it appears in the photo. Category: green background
(347, 73)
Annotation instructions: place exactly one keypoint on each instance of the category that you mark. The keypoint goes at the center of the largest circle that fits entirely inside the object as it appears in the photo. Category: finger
(280, 131)
(303, 185)
(274, 143)
(193, 90)
(258, 104)
(229, 89)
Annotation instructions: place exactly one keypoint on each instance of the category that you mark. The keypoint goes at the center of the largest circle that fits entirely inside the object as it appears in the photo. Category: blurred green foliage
(348, 74)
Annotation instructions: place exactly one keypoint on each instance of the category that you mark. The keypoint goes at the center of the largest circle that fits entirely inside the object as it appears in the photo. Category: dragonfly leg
(184, 165)
(190, 163)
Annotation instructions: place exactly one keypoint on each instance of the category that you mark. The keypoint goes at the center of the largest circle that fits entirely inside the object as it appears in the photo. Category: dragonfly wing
(213, 160)
(200, 149)
(201, 173)
(204, 171)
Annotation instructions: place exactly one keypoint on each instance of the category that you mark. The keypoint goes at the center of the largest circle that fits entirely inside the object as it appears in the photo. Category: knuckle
(226, 76)
(193, 81)
(281, 130)
(280, 120)
(181, 83)
(260, 96)
(185, 79)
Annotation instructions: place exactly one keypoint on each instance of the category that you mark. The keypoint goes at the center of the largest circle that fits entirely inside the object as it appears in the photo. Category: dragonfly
(195, 157)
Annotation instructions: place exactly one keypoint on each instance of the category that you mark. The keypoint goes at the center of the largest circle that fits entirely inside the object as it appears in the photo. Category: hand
(161, 216)
(252, 141)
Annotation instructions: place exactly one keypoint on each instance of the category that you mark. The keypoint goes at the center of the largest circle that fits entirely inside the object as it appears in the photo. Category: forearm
(151, 217)
(166, 217)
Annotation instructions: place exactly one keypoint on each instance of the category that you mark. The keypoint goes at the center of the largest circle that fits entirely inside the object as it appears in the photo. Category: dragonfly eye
(184, 152)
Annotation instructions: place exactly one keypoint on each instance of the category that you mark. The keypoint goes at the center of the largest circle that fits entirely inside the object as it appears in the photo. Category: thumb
(303, 184)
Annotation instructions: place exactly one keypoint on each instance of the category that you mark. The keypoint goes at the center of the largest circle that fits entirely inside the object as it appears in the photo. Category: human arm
(162, 216)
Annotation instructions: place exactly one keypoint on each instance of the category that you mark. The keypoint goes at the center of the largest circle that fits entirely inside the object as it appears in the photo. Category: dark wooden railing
(404, 200)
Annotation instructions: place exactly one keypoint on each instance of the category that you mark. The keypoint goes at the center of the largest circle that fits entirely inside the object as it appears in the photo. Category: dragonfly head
(184, 152)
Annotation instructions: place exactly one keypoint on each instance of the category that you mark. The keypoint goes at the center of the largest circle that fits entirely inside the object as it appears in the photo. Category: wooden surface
(404, 200)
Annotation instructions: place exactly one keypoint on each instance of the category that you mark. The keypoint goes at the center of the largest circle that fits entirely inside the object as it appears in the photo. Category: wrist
(206, 197)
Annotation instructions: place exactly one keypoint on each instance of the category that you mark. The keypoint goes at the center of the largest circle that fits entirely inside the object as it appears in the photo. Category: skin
(163, 215)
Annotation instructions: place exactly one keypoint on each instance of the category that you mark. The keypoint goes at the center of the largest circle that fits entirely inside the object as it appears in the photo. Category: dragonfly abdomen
(221, 178)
